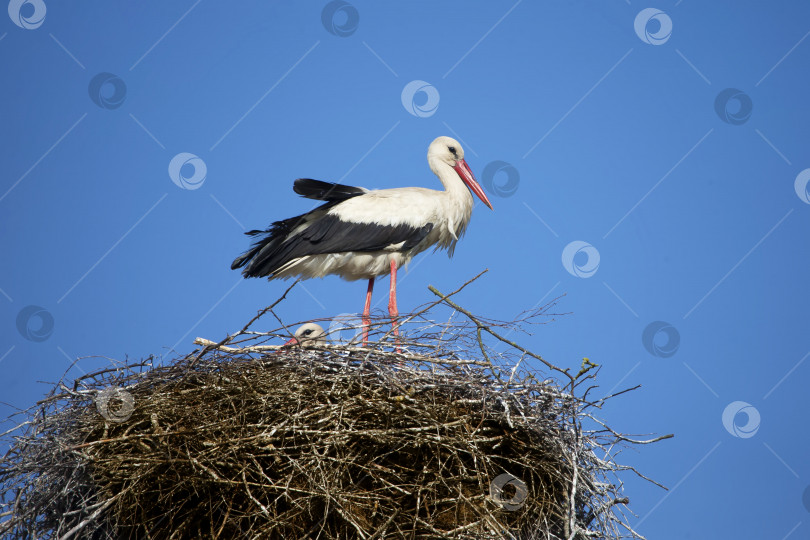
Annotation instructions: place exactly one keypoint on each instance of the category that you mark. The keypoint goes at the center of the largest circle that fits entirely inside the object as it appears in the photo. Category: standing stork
(361, 234)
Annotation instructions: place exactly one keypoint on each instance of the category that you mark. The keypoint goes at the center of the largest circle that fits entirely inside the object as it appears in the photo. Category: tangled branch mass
(447, 435)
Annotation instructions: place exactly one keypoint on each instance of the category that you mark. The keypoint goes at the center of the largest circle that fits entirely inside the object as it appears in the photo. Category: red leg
(392, 299)
(367, 312)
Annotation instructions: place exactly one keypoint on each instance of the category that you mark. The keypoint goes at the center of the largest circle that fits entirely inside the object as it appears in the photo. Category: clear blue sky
(618, 133)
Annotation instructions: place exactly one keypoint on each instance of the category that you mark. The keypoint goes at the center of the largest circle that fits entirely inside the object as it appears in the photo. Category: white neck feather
(453, 184)
(458, 197)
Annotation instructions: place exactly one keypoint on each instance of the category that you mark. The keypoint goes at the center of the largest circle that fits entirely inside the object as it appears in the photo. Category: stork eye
(452, 149)
(307, 332)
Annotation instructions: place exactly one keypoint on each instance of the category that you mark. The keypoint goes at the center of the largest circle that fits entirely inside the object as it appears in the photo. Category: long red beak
(293, 341)
(467, 176)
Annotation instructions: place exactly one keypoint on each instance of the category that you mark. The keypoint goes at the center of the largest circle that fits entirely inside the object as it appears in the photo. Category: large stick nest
(443, 439)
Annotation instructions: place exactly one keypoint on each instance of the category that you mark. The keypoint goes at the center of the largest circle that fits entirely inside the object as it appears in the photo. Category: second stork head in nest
(308, 334)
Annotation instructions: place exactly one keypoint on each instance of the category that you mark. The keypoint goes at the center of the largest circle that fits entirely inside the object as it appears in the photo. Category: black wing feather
(274, 235)
(326, 234)
(325, 191)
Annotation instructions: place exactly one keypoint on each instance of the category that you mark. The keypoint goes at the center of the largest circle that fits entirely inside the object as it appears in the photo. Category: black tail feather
(263, 244)
(273, 235)
(267, 245)
(242, 260)
(271, 248)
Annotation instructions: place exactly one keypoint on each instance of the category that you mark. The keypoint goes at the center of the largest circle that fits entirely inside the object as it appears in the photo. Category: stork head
(308, 334)
(448, 150)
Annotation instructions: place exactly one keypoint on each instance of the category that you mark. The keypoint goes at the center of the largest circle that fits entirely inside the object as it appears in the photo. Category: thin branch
(250, 322)
(482, 326)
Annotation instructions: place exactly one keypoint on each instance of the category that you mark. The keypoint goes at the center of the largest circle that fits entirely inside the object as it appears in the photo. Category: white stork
(361, 234)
